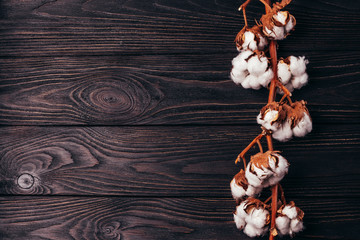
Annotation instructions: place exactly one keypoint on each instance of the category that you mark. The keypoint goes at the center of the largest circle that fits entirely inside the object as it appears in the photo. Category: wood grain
(168, 161)
(156, 218)
(68, 27)
(154, 90)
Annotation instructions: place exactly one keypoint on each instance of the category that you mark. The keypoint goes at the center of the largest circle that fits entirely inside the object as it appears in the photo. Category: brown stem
(242, 154)
(243, 7)
(260, 146)
(272, 94)
(282, 195)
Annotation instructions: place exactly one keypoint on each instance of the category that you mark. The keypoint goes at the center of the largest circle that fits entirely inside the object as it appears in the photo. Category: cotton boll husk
(253, 82)
(265, 78)
(239, 221)
(296, 226)
(258, 217)
(283, 72)
(237, 191)
(298, 65)
(252, 231)
(300, 81)
(283, 225)
(283, 133)
(290, 211)
(303, 127)
(257, 65)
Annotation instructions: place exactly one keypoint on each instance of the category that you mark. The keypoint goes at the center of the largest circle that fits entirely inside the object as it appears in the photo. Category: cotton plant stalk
(257, 66)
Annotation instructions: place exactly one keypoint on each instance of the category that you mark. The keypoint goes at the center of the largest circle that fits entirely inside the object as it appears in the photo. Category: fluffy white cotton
(290, 25)
(252, 231)
(257, 65)
(290, 211)
(270, 117)
(262, 43)
(296, 226)
(251, 72)
(239, 221)
(276, 33)
(283, 72)
(238, 192)
(283, 133)
(281, 17)
(279, 171)
(303, 127)
(257, 217)
(249, 41)
(283, 225)
(252, 178)
(300, 81)
(298, 65)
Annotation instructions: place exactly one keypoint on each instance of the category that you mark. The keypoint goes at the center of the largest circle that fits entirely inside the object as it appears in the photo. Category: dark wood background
(119, 120)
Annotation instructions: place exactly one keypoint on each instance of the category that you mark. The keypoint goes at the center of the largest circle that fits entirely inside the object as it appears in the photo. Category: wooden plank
(153, 90)
(168, 161)
(68, 27)
(157, 218)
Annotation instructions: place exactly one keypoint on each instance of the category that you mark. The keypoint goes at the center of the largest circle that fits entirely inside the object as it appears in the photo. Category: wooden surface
(119, 120)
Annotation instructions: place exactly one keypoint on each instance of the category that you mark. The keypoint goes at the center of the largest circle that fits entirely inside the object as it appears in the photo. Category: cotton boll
(237, 191)
(296, 226)
(303, 127)
(281, 17)
(269, 117)
(276, 33)
(298, 65)
(291, 24)
(257, 65)
(283, 133)
(252, 178)
(249, 41)
(283, 72)
(258, 217)
(252, 231)
(239, 221)
(266, 78)
(300, 81)
(246, 83)
(283, 225)
(290, 211)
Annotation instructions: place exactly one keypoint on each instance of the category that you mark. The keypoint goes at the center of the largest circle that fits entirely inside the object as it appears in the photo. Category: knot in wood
(25, 181)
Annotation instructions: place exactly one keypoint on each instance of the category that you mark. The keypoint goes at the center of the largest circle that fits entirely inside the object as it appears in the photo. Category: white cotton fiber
(237, 191)
(283, 133)
(262, 43)
(298, 65)
(284, 73)
(290, 25)
(266, 78)
(283, 225)
(290, 211)
(270, 117)
(249, 41)
(252, 178)
(299, 81)
(257, 217)
(239, 221)
(252, 231)
(276, 33)
(296, 226)
(281, 17)
(253, 82)
(303, 127)
(257, 65)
